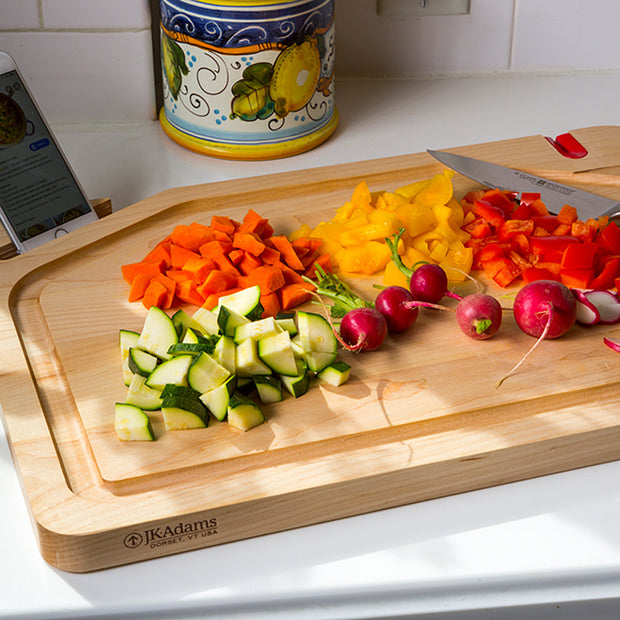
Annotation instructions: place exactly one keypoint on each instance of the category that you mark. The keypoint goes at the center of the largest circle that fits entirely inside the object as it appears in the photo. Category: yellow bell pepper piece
(393, 276)
(367, 259)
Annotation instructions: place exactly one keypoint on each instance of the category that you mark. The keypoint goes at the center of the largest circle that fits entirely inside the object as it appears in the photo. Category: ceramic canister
(250, 79)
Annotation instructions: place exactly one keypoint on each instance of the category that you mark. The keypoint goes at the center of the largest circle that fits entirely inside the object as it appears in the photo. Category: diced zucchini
(228, 320)
(172, 391)
(245, 385)
(141, 395)
(318, 360)
(205, 373)
(224, 353)
(245, 302)
(183, 321)
(191, 348)
(217, 399)
(158, 333)
(298, 350)
(336, 373)
(127, 339)
(207, 320)
(257, 329)
(173, 370)
(315, 333)
(244, 413)
(286, 320)
(277, 352)
(269, 388)
(141, 362)
(247, 361)
(298, 385)
(178, 419)
(191, 336)
(131, 423)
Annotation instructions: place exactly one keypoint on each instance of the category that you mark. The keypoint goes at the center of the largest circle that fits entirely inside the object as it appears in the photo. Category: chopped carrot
(161, 252)
(215, 247)
(155, 295)
(268, 278)
(181, 255)
(292, 295)
(249, 242)
(198, 268)
(224, 224)
(236, 256)
(170, 286)
(138, 287)
(248, 263)
(271, 304)
(131, 270)
(187, 293)
(287, 252)
(253, 222)
(323, 261)
(178, 275)
(270, 256)
(216, 282)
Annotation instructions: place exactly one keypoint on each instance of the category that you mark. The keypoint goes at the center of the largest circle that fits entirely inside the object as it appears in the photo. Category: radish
(479, 316)
(363, 329)
(614, 345)
(429, 283)
(587, 312)
(607, 305)
(544, 309)
(392, 303)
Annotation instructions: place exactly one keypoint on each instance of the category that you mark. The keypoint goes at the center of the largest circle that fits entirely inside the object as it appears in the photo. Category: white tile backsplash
(91, 60)
(572, 34)
(19, 14)
(96, 14)
(369, 45)
(87, 76)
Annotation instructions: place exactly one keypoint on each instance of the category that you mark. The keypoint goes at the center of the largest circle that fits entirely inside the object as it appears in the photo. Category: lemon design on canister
(296, 73)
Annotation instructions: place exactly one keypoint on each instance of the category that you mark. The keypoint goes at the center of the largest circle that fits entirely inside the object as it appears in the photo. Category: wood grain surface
(419, 419)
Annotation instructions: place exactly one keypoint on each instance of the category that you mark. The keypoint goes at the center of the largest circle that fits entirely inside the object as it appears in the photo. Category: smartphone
(40, 197)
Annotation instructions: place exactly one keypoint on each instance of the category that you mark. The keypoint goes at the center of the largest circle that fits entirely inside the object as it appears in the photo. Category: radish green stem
(392, 243)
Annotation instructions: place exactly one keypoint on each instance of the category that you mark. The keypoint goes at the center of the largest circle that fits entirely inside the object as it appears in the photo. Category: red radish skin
(363, 329)
(607, 305)
(391, 303)
(545, 306)
(544, 309)
(479, 316)
(429, 283)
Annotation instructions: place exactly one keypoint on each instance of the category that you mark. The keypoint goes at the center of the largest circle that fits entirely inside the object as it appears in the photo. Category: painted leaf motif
(251, 99)
(173, 60)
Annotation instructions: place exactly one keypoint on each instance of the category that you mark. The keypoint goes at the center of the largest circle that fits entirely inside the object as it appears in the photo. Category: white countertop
(542, 548)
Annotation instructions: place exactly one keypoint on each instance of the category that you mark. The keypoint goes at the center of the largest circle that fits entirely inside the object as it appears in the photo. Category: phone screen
(37, 189)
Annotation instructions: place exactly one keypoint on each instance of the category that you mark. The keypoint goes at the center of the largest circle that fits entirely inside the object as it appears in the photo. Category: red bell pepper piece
(548, 222)
(492, 214)
(538, 207)
(538, 273)
(582, 230)
(577, 278)
(478, 228)
(607, 276)
(522, 212)
(551, 248)
(579, 255)
(507, 274)
(501, 199)
(567, 215)
(609, 238)
(528, 198)
(510, 228)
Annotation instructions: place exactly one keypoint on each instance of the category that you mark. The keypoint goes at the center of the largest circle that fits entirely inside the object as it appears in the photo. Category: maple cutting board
(420, 418)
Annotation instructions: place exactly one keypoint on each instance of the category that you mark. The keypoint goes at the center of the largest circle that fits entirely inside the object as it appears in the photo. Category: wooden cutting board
(419, 419)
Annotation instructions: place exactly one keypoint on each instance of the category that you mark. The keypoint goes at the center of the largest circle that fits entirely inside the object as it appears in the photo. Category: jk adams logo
(174, 534)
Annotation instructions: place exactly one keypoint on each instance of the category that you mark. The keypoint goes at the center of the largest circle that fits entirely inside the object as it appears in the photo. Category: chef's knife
(554, 195)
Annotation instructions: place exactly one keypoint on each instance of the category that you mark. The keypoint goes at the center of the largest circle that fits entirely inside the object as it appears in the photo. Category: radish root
(542, 336)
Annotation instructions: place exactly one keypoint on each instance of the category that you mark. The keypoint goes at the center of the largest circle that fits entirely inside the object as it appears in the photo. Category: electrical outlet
(419, 8)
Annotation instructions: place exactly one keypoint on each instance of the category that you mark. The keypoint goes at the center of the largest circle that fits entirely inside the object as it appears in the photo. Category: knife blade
(554, 195)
